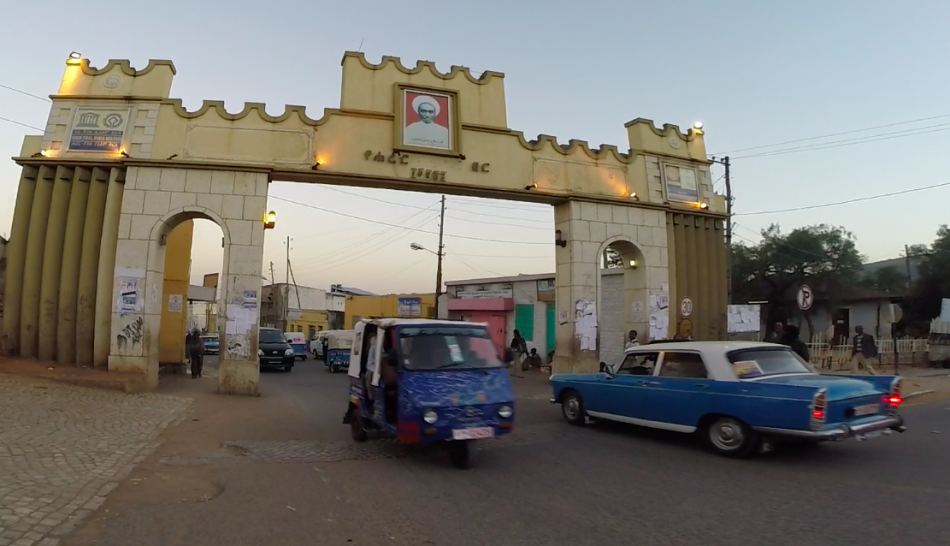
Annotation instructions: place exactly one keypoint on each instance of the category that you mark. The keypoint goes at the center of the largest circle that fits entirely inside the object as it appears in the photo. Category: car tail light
(894, 399)
(818, 409)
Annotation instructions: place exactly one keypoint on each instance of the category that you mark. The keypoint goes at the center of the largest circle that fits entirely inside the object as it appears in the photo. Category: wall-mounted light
(559, 239)
(698, 126)
(123, 154)
(41, 153)
(633, 195)
(531, 187)
(703, 206)
(270, 220)
(633, 264)
(74, 58)
(316, 165)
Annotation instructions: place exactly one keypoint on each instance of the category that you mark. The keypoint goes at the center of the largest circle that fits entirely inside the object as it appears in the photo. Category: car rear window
(752, 363)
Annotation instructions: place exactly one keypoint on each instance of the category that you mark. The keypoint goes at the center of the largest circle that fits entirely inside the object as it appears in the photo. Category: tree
(916, 250)
(886, 279)
(824, 257)
(933, 279)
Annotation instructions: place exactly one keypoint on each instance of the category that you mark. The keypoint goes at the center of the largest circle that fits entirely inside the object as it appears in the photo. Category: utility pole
(286, 291)
(907, 263)
(272, 282)
(440, 255)
(725, 163)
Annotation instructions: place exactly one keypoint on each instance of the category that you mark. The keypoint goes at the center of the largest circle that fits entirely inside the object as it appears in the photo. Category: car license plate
(868, 436)
(868, 409)
(473, 433)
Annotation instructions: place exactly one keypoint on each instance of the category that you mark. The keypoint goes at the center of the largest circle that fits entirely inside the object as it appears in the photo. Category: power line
(27, 125)
(854, 141)
(846, 202)
(450, 216)
(507, 256)
(22, 92)
(832, 135)
(401, 227)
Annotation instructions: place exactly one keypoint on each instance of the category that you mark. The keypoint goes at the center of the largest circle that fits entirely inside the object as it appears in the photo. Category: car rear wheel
(730, 437)
(572, 407)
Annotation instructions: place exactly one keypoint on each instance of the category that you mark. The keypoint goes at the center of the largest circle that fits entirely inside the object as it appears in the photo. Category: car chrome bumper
(839, 432)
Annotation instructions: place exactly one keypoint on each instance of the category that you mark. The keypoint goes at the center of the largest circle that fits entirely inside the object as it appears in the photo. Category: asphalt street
(282, 469)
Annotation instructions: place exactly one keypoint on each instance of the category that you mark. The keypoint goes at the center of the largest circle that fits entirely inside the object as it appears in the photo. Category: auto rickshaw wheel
(459, 453)
(358, 427)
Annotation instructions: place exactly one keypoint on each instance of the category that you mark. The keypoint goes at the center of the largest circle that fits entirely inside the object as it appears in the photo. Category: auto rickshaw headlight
(430, 416)
(504, 412)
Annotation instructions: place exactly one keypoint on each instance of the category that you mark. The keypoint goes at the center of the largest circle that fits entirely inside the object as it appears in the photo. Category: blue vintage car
(741, 397)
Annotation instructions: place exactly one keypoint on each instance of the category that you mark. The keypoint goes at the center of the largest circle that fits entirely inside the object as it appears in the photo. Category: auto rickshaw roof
(390, 322)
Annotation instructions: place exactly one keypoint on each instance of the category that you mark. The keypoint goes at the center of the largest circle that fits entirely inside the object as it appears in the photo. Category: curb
(918, 393)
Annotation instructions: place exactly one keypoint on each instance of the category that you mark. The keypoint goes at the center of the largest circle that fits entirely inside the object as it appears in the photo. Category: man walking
(197, 350)
(863, 351)
(519, 347)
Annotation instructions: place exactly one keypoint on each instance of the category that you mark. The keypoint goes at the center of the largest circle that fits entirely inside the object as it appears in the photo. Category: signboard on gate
(686, 307)
(98, 130)
(409, 307)
(805, 297)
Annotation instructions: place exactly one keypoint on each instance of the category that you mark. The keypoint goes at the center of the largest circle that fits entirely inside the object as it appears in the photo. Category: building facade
(292, 308)
(392, 305)
(527, 303)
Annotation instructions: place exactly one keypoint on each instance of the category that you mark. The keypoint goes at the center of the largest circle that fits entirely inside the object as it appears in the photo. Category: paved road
(281, 469)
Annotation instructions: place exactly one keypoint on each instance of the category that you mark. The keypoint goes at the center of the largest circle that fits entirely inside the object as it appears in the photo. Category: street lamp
(270, 220)
(438, 271)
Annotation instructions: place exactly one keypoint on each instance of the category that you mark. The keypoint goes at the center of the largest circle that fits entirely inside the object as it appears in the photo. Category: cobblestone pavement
(64, 448)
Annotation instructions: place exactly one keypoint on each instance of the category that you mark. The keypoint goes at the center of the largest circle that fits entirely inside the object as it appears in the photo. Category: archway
(623, 297)
(163, 163)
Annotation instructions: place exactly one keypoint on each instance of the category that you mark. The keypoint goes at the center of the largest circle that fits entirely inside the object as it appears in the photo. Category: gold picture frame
(427, 120)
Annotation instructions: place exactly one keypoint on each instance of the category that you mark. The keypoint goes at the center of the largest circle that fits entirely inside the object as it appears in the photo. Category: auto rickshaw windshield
(442, 348)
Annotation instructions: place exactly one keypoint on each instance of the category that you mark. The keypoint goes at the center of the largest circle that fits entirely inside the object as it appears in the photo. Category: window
(440, 348)
(271, 336)
(638, 364)
(751, 363)
(685, 365)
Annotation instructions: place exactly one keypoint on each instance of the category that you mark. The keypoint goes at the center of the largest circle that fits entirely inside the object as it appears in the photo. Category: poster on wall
(175, 303)
(681, 184)
(128, 295)
(427, 120)
(250, 299)
(409, 307)
(743, 319)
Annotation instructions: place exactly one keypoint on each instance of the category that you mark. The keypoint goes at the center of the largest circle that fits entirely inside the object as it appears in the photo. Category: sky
(755, 73)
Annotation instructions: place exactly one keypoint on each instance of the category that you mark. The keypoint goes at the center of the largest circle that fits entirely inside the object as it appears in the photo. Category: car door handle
(702, 385)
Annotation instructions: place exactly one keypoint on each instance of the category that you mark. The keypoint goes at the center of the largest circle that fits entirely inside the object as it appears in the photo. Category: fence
(834, 356)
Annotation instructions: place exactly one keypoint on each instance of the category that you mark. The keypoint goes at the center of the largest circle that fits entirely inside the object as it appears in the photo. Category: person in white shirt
(632, 340)
(371, 368)
(426, 132)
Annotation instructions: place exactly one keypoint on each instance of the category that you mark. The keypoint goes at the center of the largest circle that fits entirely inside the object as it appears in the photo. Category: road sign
(805, 297)
(686, 307)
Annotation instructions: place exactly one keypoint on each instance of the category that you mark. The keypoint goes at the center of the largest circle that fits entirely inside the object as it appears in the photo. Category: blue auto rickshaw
(426, 381)
(339, 345)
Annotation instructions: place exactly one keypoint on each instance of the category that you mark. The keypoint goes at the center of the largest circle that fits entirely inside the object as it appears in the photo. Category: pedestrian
(188, 342)
(519, 347)
(197, 349)
(863, 351)
(778, 334)
(532, 361)
(632, 340)
(792, 339)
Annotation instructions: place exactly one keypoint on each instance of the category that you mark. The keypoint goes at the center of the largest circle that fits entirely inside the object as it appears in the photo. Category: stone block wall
(154, 202)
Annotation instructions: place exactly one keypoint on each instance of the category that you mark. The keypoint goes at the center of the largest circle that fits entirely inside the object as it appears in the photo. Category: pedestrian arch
(144, 162)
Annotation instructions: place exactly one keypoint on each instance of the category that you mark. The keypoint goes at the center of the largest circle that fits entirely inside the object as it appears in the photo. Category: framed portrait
(681, 183)
(427, 121)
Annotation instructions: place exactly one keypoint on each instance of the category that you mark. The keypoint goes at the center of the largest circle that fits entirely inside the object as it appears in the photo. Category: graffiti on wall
(131, 334)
